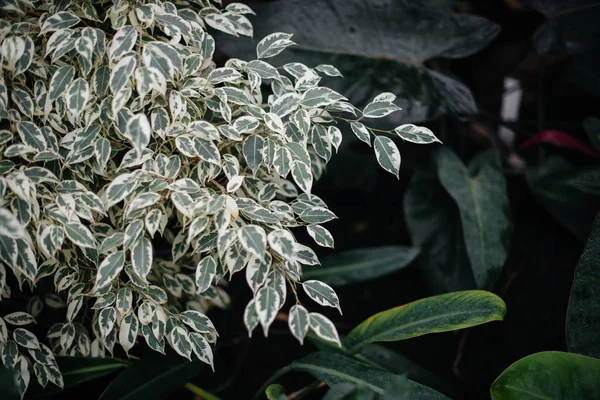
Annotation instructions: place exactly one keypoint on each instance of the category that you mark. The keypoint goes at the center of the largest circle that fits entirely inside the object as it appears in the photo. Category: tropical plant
(122, 136)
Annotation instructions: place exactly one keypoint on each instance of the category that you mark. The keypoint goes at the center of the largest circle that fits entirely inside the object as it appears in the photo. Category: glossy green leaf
(333, 368)
(583, 314)
(442, 313)
(480, 193)
(361, 264)
(153, 377)
(549, 375)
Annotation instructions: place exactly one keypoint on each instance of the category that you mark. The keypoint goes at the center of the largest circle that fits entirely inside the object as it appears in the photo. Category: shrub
(119, 133)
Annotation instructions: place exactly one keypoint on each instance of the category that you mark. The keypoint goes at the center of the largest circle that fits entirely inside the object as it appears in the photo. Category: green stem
(200, 392)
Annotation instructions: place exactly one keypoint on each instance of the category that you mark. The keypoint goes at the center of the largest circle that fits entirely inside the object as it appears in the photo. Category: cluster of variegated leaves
(119, 128)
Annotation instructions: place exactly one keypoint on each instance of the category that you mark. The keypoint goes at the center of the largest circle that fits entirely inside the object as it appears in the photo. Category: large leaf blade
(327, 32)
(333, 368)
(434, 224)
(361, 264)
(442, 313)
(483, 205)
(154, 377)
(549, 375)
(583, 314)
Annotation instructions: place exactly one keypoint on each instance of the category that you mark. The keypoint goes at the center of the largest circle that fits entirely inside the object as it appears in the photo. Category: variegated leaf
(321, 293)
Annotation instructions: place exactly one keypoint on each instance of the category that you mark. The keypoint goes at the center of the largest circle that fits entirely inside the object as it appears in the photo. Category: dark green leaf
(571, 26)
(333, 368)
(480, 193)
(442, 313)
(433, 221)
(570, 194)
(153, 377)
(361, 264)
(592, 128)
(370, 56)
(583, 315)
(549, 375)
(78, 369)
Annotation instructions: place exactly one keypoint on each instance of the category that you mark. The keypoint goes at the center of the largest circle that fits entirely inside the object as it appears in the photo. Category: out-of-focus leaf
(378, 44)
(570, 194)
(571, 26)
(434, 224)
(361, 264)
(7, 387)
(583, 314)
(79, 369)
(153, 377)
(480, 193)
(560, 139)
(592, 128)
(276, 392)
(388, 360)
(333, 369)
(442, 313)
(549, 375)
(398, 389)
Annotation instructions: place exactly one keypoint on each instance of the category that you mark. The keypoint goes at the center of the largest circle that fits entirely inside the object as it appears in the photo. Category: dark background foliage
(448, 62)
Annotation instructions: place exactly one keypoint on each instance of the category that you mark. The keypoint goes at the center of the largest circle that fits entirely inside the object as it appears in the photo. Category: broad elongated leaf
(394, 54)
(569, 28)
(154, 377)
(569, 194)
(333, 368)
(549, 375)
(435, 314)
(480, 193)
(361, 264)
(78, 369)
(433, 221)
(583, 314)
(386, 359)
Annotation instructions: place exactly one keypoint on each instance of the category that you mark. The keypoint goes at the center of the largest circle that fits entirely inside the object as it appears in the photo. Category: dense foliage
(122, 128)
(151, 150)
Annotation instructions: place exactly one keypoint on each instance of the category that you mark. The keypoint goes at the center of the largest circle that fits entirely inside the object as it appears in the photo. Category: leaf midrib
(520, 390)
(348, 267)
